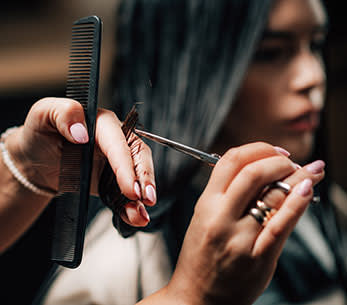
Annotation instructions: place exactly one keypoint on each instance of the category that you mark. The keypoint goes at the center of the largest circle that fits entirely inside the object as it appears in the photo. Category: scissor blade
(198, 154)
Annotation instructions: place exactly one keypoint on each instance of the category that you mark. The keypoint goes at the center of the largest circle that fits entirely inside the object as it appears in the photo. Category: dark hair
(184, 61)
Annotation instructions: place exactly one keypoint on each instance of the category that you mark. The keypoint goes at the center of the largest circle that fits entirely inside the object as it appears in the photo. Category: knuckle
(144, 173)
(43, 100)
(105, 114)
(262, 146)
(136, 145)
(42, 104)
(252, 173)
(68, 108)
(232, 155)
(274, 198)
(146, 149)
(71, 107)
(213, 233)
(274, 233)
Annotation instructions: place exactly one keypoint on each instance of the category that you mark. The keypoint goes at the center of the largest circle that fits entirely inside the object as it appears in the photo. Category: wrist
(21, 169)
(164, 296)
(11, 139)
(184, 292)
(192, 289)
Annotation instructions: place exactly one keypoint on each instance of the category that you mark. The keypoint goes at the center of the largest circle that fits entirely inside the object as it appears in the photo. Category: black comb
(76, 163)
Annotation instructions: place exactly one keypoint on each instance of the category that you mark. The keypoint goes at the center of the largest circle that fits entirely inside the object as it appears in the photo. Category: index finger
(112, 143)
(235, 159)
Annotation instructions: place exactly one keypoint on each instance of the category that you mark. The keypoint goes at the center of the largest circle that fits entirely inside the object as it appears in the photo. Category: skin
(233, 257)
(35, 149)
(282, 96)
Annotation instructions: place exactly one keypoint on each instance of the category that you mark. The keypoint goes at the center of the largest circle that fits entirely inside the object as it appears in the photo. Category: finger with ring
(285, 187)
(258, 215)
(268, 211)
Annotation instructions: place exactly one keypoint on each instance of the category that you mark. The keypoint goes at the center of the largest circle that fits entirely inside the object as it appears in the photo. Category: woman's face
(282, 96)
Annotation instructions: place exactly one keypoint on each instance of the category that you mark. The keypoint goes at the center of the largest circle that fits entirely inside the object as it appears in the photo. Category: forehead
(296, 15)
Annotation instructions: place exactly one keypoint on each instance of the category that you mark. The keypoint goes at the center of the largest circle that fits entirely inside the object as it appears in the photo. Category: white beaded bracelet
(14, 170)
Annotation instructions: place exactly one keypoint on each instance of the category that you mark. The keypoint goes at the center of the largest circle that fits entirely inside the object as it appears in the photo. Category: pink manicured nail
(304, 187)
(151, 194)
(316, 167)
(143, 212)
(297, 166)
(137, 190)
(79, 133)
(131, 212)
(282, 151)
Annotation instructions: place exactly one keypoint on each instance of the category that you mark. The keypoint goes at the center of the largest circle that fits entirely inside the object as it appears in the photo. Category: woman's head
(282, 95)
(184, 59)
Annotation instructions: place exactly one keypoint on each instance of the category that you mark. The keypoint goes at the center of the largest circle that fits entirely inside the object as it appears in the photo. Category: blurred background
(34, 52)
(34, 62)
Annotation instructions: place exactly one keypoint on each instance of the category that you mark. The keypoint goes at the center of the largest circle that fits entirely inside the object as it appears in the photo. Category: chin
(300, 148)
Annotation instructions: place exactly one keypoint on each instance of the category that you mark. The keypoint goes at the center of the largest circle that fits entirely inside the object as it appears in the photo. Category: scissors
(211, 159)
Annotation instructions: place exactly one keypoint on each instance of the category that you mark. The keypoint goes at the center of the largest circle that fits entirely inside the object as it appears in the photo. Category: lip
(307, 122)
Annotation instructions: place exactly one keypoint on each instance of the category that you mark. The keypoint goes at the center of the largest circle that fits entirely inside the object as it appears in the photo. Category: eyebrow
(287, 35)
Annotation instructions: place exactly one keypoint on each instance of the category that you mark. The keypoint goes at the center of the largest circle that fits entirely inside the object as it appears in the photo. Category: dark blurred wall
(336, 109)
(34, 50)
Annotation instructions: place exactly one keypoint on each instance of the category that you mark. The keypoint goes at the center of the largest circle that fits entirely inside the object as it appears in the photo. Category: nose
(308, 75)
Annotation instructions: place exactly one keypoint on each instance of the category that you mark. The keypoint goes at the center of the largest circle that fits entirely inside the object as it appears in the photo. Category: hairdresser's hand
(36, 148)
(227, 256)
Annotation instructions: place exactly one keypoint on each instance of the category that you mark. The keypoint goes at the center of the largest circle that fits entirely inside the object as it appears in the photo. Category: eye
(317, 46)
(272, 54)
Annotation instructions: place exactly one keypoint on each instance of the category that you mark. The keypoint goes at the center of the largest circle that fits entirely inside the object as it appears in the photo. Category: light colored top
(111, 267)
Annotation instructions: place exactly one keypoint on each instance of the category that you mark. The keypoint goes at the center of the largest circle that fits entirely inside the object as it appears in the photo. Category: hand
(36, 149)
(227, 256)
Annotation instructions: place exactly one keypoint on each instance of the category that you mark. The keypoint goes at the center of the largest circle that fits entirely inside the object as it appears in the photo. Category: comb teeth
(77, 160)
(78, 88)
(81, 54)
(69, 177)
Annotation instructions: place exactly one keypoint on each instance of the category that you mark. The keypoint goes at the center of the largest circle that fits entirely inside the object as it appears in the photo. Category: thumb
(59, 114)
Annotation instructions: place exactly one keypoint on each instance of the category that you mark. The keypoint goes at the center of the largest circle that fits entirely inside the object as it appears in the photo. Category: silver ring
(258, 215)
(285, 187)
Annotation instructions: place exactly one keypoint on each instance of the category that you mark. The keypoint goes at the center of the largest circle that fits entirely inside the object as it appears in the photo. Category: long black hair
(183, 60)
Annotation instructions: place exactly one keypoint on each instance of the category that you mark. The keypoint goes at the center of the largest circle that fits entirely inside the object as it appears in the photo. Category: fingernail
(143, 212)
(131, 212)
(282, 151)
(304, 187)
(151, 194)
(297, 165)
(316, 167)
(137, 190)
(79, 133)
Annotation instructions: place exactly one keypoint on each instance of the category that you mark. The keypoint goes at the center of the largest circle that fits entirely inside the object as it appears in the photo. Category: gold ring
(269, 212)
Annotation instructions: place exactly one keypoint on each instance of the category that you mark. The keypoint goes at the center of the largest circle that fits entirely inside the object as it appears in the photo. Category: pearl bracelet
(14, 170)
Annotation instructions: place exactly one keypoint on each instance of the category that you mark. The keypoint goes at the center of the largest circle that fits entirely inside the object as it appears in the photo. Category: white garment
(111, 266)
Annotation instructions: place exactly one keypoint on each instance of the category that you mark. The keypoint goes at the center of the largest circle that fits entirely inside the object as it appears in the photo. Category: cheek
(258, 101)
(256, 111)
